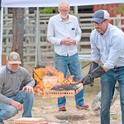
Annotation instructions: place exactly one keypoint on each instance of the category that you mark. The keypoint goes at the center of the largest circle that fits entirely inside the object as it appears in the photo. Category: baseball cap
(14, 58)
(100, 15)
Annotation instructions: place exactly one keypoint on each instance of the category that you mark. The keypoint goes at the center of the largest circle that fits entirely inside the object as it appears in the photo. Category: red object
(62, 108)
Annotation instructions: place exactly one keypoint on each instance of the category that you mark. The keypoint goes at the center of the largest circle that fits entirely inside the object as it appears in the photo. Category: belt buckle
(115, 67)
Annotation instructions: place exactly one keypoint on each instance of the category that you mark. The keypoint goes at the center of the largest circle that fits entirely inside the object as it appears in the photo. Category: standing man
(107, 48)
(64, 33)
(16, 89)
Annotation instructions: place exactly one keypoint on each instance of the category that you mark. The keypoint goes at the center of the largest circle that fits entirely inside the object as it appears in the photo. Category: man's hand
(28, 89)
(16, 104)
(68, 41)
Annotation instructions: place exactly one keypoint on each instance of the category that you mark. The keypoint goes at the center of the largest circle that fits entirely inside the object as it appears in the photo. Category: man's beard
(64, 17)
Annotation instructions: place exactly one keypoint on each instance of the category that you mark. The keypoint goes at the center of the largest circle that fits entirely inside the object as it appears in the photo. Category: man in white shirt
(107, 54)
(64, 33)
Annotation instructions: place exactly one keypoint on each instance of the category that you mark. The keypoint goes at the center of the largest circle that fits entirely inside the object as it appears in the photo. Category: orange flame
(48, 77)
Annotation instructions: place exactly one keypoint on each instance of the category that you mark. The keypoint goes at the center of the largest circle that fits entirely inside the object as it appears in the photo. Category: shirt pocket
(73, 31)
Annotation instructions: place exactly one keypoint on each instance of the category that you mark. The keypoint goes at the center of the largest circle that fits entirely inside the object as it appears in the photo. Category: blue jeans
(8, 111)
(71, 64)
(108, 81)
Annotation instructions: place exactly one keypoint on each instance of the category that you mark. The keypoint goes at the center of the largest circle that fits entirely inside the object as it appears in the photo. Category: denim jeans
(108, 81)
(8, 111)
(71, 64)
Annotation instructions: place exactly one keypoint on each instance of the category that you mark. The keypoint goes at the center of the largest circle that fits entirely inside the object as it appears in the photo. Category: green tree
(48, 10)
(119, 9)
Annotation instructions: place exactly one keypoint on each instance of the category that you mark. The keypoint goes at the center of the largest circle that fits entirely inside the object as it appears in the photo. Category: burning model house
(51, 83)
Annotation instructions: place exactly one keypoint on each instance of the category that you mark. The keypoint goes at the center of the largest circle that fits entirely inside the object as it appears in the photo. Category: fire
(48, 77)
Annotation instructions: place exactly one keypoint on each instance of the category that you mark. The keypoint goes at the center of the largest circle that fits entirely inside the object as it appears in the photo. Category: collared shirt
(58, 29)
(12, 82)
(109, 47)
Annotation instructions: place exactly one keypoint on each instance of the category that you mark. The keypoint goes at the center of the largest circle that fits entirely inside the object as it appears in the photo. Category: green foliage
(119, 9)
(48, 10)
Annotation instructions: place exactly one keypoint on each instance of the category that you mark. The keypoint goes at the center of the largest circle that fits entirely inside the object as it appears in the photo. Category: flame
(46, 78)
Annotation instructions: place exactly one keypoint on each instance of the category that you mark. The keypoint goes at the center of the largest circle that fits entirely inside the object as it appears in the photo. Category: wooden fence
(45, 49)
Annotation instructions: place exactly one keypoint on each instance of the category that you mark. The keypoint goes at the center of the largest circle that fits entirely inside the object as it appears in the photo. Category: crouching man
(16, 89)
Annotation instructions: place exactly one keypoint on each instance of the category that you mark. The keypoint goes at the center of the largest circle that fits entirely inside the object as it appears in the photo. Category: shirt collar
(60, 19)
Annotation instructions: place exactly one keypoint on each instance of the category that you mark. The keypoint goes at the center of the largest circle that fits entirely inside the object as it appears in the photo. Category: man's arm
(77, 32)
(4, 99)
(51, 33)
(27, 78)
(28, 81)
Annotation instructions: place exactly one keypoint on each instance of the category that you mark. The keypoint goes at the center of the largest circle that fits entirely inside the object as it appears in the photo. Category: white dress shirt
(58, 29)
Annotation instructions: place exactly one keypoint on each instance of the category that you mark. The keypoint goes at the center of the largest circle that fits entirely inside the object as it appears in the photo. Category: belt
(117, 67)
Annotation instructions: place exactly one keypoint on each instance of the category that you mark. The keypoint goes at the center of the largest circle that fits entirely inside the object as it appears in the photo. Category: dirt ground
(46, 108)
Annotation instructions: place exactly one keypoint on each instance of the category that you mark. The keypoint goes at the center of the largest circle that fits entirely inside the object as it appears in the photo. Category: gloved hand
(88, 78)
(97, 72)
(93, 65)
